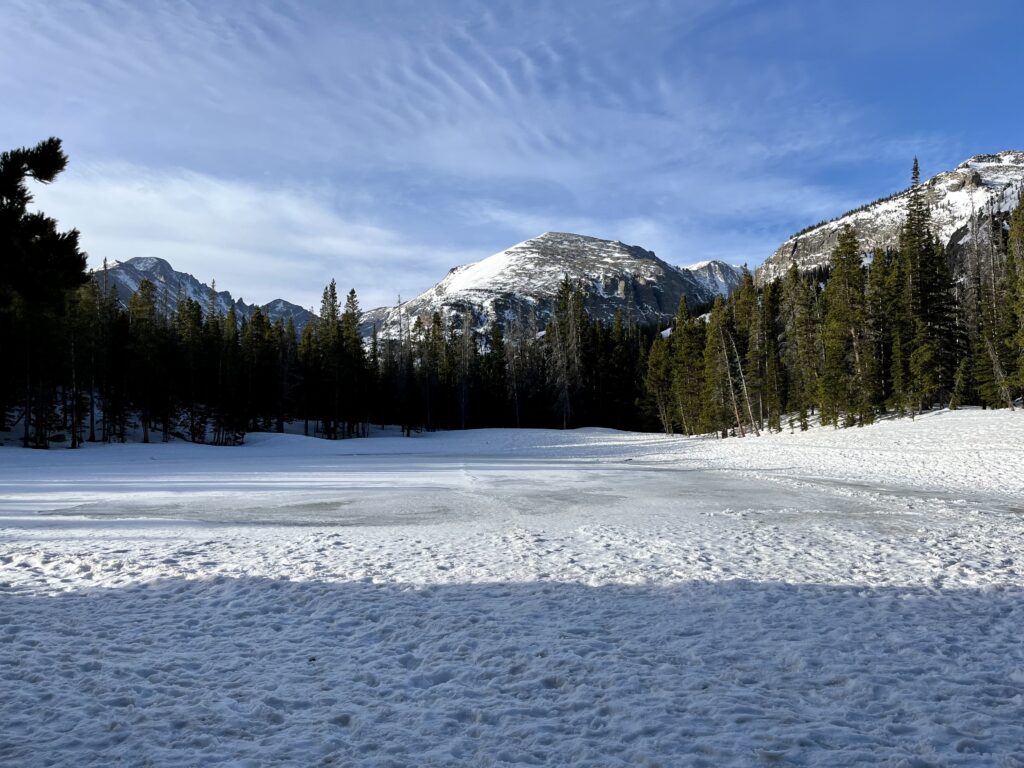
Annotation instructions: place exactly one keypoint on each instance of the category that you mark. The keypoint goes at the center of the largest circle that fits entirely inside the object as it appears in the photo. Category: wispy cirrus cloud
(270, 242)
(423, 133)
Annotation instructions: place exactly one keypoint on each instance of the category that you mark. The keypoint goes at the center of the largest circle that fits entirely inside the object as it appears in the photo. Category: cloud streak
(423, 133)
(260, 243)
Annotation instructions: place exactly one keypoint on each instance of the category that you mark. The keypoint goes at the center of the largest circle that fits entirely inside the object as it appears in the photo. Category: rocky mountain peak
(985, 185)
(519, 285)
(126, 276)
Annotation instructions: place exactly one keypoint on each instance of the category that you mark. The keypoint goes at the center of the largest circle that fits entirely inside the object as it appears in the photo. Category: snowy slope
(518, 286)
(828, 598)
(125, 277)
(984, 185)
(716, 276)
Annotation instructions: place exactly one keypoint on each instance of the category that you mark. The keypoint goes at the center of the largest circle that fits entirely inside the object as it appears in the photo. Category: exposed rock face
(172, 286)
(717, 276)
(985, 185)
(519, 285)
(516, 286)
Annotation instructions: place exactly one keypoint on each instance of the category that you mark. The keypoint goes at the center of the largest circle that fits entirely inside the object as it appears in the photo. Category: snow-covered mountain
(519, 285)
(172, 286)
(984, 185)
(717, 276)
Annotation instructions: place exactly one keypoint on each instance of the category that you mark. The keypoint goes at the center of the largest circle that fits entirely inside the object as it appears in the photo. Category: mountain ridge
(126, 276)
(519, 285)
(985, 185)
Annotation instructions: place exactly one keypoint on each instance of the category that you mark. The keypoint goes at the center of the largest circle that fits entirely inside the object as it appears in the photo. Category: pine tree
(466, 364)
(932, 360)
(229, 414)
(800, 348)
(621, 374)
(846, 383)
(880, 304)
(39, 266)
(773, 368)
(191, 343)
(658, 382)
(329, 351)
(494, 376)
(925, 330)
(143, 327)
(721, 398)
(353, 367)
(309, 367)
(1015, 288)
(688, 368)
(565, 338)
(752, 347)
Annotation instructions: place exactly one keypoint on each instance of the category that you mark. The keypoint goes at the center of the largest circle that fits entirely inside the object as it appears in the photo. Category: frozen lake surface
(520, 598)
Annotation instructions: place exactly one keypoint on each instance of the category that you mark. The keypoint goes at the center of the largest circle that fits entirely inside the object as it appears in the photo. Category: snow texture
(828, 598)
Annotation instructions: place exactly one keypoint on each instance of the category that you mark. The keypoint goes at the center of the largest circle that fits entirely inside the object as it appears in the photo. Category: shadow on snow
(545, 673)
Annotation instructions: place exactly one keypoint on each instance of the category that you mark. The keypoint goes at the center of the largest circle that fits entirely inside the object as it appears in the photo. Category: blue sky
(274, 145)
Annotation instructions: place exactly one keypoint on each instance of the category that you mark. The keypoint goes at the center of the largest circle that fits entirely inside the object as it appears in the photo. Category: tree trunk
(743, 383)
(74, 397)
(28, 386)
(732, 388)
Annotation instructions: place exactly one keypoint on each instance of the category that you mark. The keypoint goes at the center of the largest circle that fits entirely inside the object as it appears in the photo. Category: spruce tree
(721, 401)
(880, 305)
(329, 351)
(846, 383)
(658, 382)
(750, 344)
(800, 346)
(925, 329)
(39, 266)
(773, 368)
(353, 373)
(565, 338)
(688, 368)
(1015, 291)
(144, 329)
(494, 376)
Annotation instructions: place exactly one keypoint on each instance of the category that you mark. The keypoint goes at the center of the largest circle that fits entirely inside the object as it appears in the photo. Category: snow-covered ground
(826, 598)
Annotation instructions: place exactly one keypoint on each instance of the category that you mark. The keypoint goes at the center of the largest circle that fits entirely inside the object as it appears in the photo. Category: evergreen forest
(910, 329)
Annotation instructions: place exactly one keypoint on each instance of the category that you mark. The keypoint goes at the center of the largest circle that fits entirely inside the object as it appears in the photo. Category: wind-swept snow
(520, 598)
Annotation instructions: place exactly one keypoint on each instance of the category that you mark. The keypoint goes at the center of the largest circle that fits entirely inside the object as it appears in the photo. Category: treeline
(101, 371)
(911, 331)
(78, 364)
(917, 328)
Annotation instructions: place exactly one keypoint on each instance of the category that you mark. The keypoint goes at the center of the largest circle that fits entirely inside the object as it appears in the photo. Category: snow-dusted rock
(173, 286)
(519, 285)
(984, 185)
(717, 276)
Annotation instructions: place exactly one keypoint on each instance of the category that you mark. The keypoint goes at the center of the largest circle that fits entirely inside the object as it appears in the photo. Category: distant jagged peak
(126, 277)
(147, 263)
(718, 277)
(713, 264)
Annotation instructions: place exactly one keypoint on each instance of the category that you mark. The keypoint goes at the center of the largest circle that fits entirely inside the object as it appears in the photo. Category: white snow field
(829, 598)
